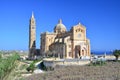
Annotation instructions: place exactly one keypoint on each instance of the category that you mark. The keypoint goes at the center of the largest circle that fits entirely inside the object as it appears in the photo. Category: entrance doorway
(77, 51)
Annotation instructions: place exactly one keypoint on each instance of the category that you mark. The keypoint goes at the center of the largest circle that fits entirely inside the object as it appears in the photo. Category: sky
(101, 18)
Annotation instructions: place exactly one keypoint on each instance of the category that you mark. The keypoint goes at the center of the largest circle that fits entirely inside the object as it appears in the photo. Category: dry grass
(110, 71)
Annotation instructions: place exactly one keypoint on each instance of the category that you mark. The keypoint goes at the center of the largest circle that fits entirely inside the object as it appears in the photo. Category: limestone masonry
(61, 43)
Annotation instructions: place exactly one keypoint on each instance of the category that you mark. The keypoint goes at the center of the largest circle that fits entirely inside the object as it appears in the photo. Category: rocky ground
(109, 71)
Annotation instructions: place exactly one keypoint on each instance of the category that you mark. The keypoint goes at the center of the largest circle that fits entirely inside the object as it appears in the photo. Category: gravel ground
(110, 71)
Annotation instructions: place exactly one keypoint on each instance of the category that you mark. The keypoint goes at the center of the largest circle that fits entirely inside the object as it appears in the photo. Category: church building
(66, 44)
(61, 43)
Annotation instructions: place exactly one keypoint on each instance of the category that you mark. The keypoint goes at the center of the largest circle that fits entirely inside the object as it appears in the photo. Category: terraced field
(110, 71)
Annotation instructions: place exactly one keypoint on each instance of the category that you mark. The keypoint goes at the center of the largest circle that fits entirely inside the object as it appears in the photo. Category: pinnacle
(60, 21)
(32, 14)
(79, 23)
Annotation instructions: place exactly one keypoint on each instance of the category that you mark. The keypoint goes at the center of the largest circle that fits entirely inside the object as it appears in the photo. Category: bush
(7, 64)
(116, 53)
(31, 67)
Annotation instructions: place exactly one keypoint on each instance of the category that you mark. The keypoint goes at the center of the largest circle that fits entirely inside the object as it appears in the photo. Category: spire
(32, 15)
(60, 21)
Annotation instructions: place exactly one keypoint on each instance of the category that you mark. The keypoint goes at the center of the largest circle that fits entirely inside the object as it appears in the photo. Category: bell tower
(32, 37)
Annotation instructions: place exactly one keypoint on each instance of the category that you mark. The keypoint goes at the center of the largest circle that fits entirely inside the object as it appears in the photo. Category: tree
(116, 53)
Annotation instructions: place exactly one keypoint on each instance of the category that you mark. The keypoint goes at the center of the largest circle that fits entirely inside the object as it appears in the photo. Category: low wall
(110, 57)
(53, 63)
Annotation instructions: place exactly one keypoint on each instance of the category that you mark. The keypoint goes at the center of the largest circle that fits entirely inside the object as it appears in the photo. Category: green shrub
(116, 53)
(7, 64)
(31, 67)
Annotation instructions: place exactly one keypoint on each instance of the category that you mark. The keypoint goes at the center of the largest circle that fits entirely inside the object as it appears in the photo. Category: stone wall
(68, 62)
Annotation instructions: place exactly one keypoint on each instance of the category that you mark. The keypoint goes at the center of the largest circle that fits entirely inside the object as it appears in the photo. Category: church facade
(66, 44)
(61, 43)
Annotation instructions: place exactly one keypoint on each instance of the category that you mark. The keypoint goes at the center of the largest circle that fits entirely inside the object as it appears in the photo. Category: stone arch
(77, 51)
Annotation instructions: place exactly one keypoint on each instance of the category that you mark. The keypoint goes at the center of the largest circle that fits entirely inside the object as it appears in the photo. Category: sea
(102, 52)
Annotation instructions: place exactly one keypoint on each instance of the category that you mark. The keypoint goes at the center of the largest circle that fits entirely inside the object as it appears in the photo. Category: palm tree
(116, 53)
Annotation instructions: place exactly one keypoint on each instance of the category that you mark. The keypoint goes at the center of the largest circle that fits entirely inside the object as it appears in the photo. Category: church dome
(60, 27)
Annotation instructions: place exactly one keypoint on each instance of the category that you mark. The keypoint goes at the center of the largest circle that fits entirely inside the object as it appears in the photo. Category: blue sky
(101, 18)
